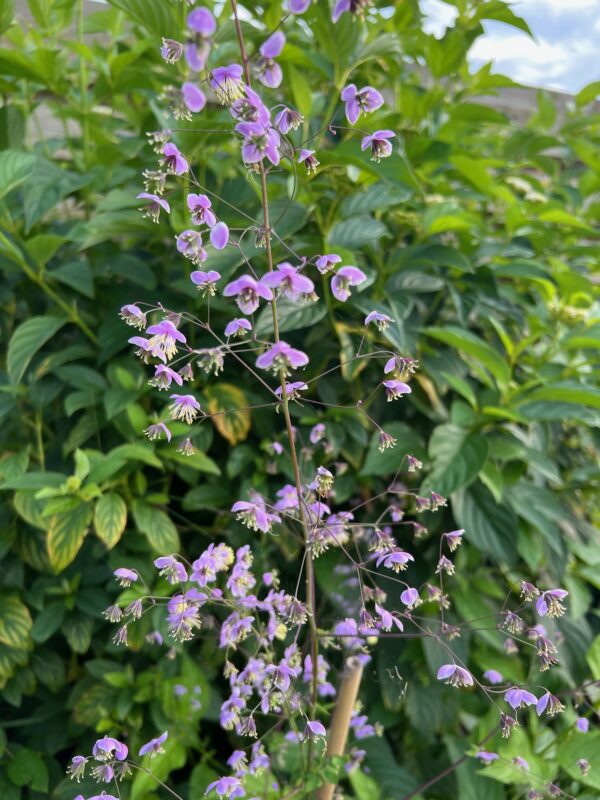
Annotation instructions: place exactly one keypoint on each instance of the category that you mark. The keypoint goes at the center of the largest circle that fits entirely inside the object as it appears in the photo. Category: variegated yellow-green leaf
(66, 533)
(15, 621)
(110, 518)
(231, 415)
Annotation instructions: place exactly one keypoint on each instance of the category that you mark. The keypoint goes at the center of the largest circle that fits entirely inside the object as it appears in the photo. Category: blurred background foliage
(481, 240)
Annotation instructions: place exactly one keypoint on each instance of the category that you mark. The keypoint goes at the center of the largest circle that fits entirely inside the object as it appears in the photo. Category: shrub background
(480, 237)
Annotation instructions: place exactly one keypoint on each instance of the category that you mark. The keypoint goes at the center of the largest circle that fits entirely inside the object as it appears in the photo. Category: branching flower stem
(310, 576)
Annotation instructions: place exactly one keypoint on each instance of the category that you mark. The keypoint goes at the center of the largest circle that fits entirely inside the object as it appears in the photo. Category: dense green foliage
(480, 239)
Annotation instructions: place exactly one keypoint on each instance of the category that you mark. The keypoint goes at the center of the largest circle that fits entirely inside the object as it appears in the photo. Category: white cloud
(562, 56)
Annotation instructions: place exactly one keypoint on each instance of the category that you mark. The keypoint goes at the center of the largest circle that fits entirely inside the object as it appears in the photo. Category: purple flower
(360, 101)
(173, 161)
(206, 281)
(172, 569)
(146, 349)
(288, 120)
(310, 161)
(269, 72)
(219, 236)
(326, 263)
(215, 559)
(227, 83)
(76, 768)
(200, 206)
(291, 282)
(387, 619)
(344, 279)
(455, 675)
(193, 97)
(171, 51)
(410, 597)
(154, 746)
(549, 703)
(486, 757)
(516, 697)
(254, 515)
(259, 141)
(201, 21)
(226, 787)
(189, 244)
(125, 577)
(298, 6)
(396, 560)
(133, 316)
(164, 336)
(520, 762)
(317, 433)
(395, 389)
(403, 366)
(493, 676)
(381, 320)
(292, 390)
(247, 292)
(164, 376)
(454, 539)
(314, 729)
(185, 407)
(104, 749)
(197, 53)
(582, 724)
(251, 108)
(238, 327)
(379, 143)
(549, 603)
(342, 6)
(156, 203)
(281, 356)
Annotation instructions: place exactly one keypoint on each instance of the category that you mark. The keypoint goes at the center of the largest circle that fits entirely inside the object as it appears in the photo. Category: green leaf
(565, 392)
(7, 13)
(77, 275)
(490, 526)
(66, 532)
(581, 746)
(28, 769)
(48, 621)
(301, 91)
(156, 18)
(588, 94)
(15, 621)
(228, 406)
(593, 658)
(26, 341)
(291, 316)
(110, 518)
(78, 629)
(361, 231)
(157, 527)
(49, 669)
(378, 197)
(457, 455)
(15, 167)
(473, 346)
(559, 216)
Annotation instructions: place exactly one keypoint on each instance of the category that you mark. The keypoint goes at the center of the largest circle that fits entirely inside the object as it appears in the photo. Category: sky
(564, 54)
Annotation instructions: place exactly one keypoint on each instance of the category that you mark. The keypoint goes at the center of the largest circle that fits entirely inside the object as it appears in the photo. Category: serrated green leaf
(110, 518)
(15, 167)
(66, 532)
(27, 339)
(157, 527)
(15, 621)
(457, 455)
